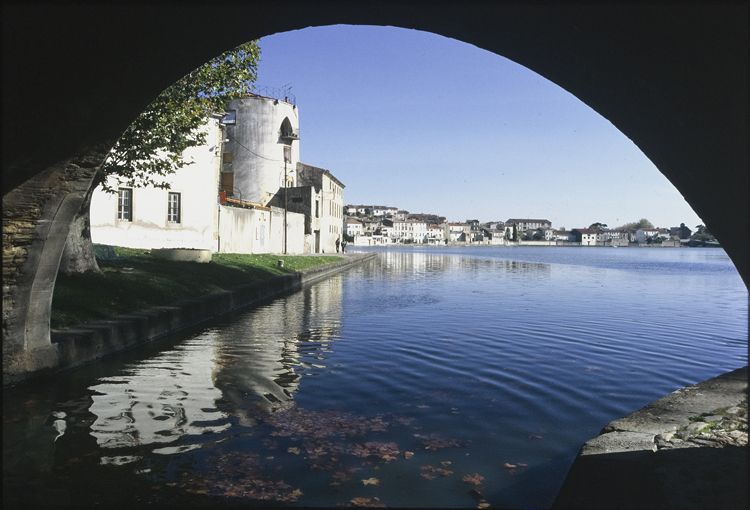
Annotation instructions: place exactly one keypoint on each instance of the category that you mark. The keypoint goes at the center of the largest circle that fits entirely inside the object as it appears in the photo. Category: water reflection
(398, 263)
(225, 375)
(401, 382)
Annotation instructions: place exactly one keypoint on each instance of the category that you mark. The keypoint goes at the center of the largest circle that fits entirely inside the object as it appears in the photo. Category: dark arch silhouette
(671, 77)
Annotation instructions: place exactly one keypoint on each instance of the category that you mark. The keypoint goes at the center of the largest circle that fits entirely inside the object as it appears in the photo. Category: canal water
(428, 377)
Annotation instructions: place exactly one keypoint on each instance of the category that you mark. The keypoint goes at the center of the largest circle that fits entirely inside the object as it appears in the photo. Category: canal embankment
(687, 450)
(90, 342)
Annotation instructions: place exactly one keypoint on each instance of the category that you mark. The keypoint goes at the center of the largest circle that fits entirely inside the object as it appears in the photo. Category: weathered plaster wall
(257, 150)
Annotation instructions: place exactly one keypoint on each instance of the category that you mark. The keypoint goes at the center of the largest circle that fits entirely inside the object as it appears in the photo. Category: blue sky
(434, 125)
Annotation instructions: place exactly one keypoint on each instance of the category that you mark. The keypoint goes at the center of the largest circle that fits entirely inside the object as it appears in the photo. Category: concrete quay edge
(90, 342)
(622, 468)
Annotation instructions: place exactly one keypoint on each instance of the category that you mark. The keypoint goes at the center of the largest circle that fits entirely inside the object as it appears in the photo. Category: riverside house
(222, 202)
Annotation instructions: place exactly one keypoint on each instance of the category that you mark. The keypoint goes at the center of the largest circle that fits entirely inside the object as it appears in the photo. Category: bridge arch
(674, 79)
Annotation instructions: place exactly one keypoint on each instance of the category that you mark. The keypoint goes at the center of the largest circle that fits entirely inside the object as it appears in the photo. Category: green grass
(141, 281)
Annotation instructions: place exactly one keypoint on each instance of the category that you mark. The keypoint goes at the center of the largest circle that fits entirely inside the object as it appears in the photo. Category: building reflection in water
(398, 263)
(252, 363)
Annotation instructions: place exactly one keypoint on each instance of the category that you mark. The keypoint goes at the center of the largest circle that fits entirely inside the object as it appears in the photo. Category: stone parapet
(632, 463)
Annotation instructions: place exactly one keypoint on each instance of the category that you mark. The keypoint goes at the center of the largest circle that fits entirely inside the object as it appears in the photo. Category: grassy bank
(137, 281)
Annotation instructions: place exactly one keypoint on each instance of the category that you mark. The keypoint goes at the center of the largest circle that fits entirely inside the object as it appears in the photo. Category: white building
(353, 227)
(453, 232)
(525, 224)
(329, 214)
(434, 234)
(418, 231)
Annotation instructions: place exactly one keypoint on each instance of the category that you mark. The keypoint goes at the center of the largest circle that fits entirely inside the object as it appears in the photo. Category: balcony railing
(289, 134)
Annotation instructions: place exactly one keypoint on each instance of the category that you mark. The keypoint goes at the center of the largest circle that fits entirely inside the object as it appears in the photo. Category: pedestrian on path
(343, 246)
(338, 242)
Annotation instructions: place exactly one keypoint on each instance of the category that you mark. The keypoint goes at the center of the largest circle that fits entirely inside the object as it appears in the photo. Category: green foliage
(642, 223)
(138, 281)
(702, 234)
(152, 146)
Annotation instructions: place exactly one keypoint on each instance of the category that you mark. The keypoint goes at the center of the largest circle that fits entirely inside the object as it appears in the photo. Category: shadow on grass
(138, 281)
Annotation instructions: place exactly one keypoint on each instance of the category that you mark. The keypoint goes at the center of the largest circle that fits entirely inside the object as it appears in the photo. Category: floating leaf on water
(521, 464)
(428, 476)
(433, 442)
(445, 463)
(444, 472)
(483, 505)
(509, 466)
(408, 455)
(293, 496)
(293, 450)
(367, 502)
(371, 481)
(426, 468)
(474, 479)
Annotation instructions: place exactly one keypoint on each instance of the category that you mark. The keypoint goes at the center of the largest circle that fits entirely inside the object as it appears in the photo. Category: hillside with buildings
(372, 225)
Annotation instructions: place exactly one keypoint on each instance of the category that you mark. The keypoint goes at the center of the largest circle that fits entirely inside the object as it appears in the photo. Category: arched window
(287, 132)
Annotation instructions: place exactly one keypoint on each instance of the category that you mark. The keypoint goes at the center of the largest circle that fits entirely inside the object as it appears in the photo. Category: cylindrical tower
(261, 149)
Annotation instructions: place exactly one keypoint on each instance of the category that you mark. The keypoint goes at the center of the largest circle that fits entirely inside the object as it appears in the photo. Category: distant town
(373, 225)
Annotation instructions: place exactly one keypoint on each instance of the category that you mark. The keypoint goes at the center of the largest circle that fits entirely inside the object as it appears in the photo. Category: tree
(637, 225)
(598, 225)
(702, 234)
(151, 148)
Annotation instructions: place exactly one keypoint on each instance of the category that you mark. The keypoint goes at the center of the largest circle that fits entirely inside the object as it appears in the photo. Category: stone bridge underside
(674, 79)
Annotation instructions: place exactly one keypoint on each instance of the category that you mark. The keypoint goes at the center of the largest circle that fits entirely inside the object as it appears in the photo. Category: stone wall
(37, 217)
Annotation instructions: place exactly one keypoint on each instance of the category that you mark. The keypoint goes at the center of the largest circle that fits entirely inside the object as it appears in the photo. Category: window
(287, 154)
(173, 209)
(230, 117)
(125, 204)
(227, 183)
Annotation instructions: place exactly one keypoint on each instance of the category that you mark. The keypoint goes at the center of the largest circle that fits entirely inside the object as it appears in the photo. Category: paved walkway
(687, 450)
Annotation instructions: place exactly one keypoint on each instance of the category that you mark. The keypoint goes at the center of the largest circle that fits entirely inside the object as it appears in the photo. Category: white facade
(644, 233)
(353, 227)
(524, 224)
(434, 234)
(184, 216)
(418, 231)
